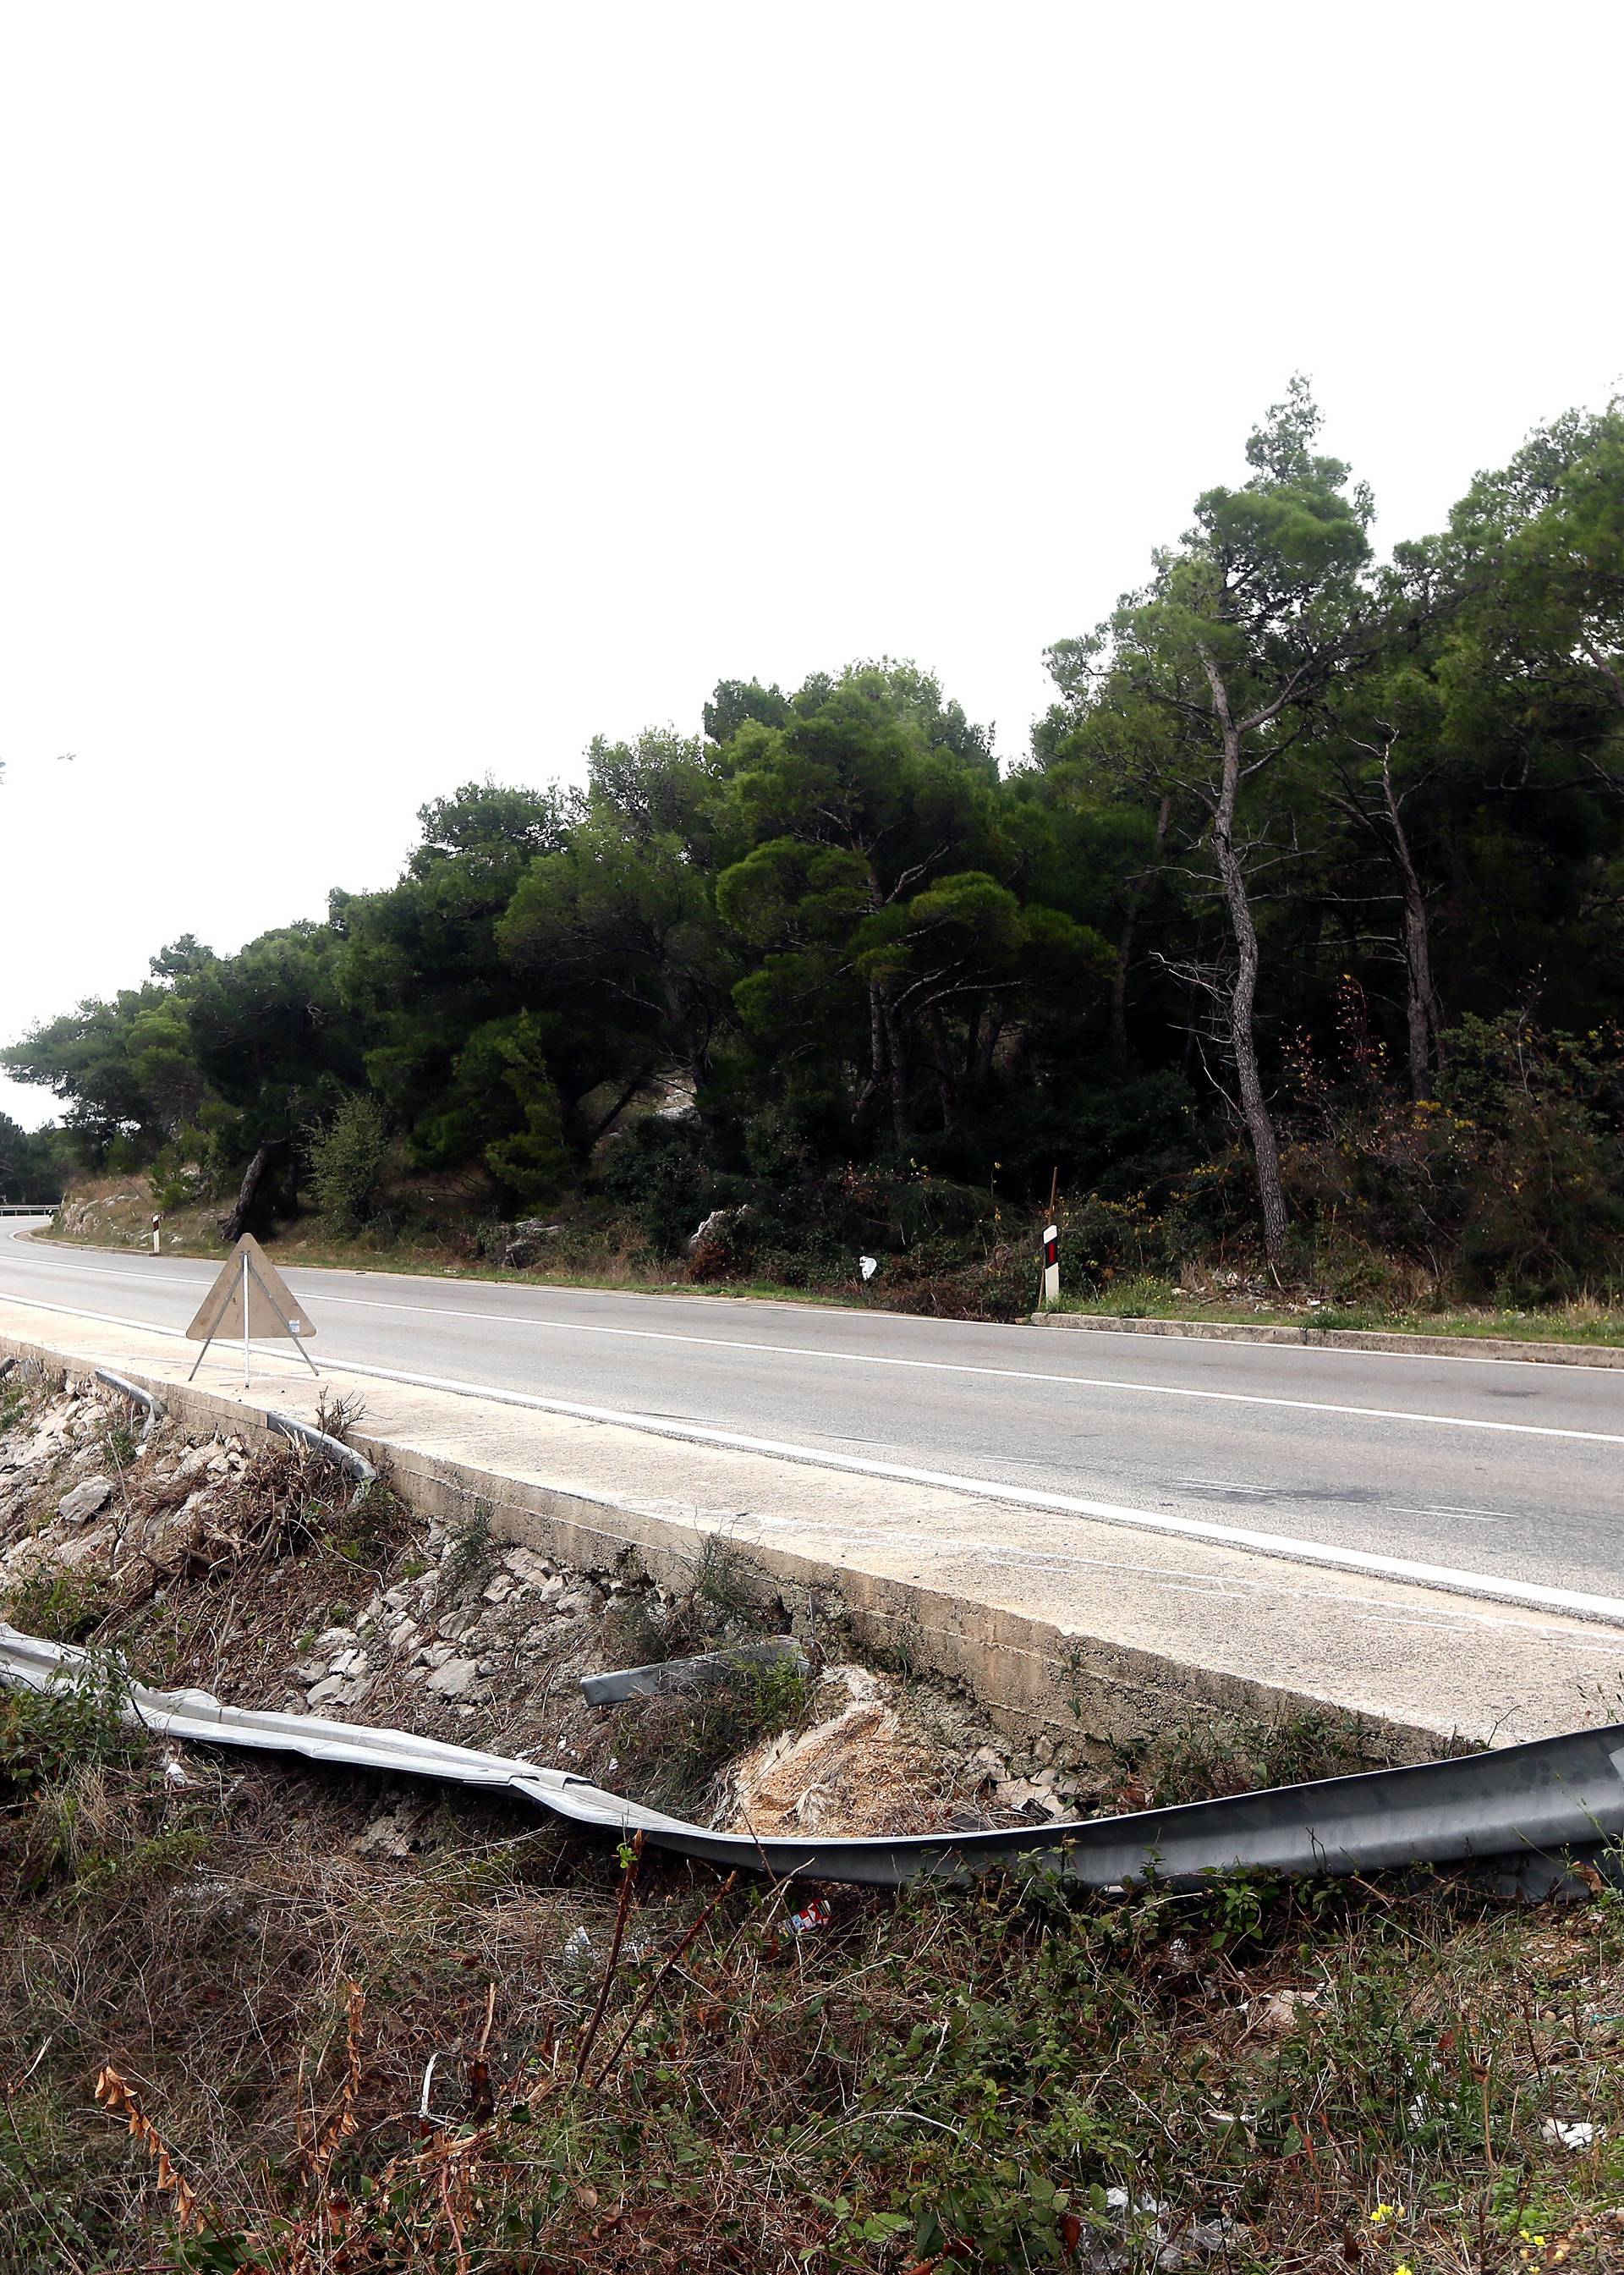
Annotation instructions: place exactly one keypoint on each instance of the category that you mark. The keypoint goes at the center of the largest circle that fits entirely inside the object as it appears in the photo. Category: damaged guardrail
(1520, 1810)
(155, 1409)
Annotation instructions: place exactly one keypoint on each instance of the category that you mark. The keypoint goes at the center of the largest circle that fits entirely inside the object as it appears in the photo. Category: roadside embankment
(326, 2000)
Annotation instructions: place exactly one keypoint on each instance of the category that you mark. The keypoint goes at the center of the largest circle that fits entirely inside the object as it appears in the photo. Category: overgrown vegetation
(1289, 949)
(673, 1747)
(221, 2020)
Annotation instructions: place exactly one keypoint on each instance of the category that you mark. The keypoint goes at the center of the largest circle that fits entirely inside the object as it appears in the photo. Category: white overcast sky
(391, 393)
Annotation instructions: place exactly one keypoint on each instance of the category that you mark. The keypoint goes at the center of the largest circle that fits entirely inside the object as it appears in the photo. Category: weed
(672, 1746)
(79, 1721)
(119, 1444)
(1256, 2076)
(60, 1602)
(724, 1582)
(339, 1413)
(1242, 1755)
(469, 1557)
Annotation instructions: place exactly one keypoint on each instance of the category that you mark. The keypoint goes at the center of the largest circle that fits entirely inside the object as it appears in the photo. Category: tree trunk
(946, 1082)
(986, 1046)
(896, 1060)
(1243, 990)
(588, 1138)
(231, 1227)
(875, 1085)
(1124, 948)
(1424, 1012)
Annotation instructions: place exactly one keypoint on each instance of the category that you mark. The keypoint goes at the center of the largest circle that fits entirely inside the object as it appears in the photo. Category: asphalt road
(1510, 1469)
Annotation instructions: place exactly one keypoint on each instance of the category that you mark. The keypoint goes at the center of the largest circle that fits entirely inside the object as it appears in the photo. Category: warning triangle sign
(250, 1297)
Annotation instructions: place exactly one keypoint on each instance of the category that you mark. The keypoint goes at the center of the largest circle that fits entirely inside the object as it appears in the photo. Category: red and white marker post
(1051, 1264)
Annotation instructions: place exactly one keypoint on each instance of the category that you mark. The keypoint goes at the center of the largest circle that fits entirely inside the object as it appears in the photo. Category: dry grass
(950, 2080)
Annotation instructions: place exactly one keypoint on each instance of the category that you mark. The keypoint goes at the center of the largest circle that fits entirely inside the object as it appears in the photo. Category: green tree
(1538, 550)
(127, 1068)
(873, 791)
(33, 1166)
(533, 1162)
(422, 972)
(278, 1047)
(1247, 623)
(617, 935)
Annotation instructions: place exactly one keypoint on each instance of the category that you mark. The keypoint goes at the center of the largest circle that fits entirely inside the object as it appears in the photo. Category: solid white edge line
(938, 1367)
(1608, 1610)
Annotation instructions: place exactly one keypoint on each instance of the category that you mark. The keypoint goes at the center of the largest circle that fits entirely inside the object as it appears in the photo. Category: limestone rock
(452, 1680)
(79, 1506)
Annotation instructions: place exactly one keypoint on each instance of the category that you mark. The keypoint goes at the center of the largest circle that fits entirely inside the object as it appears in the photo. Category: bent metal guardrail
(1519, 1810)
(150, 1403)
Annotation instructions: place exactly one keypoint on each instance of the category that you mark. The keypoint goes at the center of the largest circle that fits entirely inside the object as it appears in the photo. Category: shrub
(77, 1724)
(660, 1172)
(347, 1158)
(56, 1601)
(672, 1746)
(1505, 1186)
(1115, 1239)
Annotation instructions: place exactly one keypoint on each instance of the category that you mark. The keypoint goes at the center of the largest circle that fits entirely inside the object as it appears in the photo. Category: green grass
(1160, 1299)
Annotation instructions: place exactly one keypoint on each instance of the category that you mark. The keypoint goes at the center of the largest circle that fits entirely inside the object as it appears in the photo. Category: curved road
(1507, 1469)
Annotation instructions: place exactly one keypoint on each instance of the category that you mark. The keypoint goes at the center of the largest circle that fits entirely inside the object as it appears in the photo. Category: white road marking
(1464, 1357)
(944, 1366)
(1582, 1604)
(1606, 1609)
(1471, 1516)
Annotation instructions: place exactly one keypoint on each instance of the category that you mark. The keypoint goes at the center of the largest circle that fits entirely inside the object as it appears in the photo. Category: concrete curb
(1369, 1339)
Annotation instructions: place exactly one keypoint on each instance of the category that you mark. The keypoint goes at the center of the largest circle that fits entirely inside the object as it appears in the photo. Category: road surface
(1503, 1468)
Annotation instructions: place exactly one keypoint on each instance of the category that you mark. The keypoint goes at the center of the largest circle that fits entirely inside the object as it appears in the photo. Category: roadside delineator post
(154, 1233)
(1051, 1264)
(251, 1295)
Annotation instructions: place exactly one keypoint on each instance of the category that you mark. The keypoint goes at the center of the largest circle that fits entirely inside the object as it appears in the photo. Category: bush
(347, 1159)
(77, 1724)
(1505, 1187)
(58, 1602)
(1115, 1239)
(660, 1172)
(1538, 1125)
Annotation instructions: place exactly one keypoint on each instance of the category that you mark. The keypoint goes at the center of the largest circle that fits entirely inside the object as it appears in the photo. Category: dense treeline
(1298, 936)
(32, 1163)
